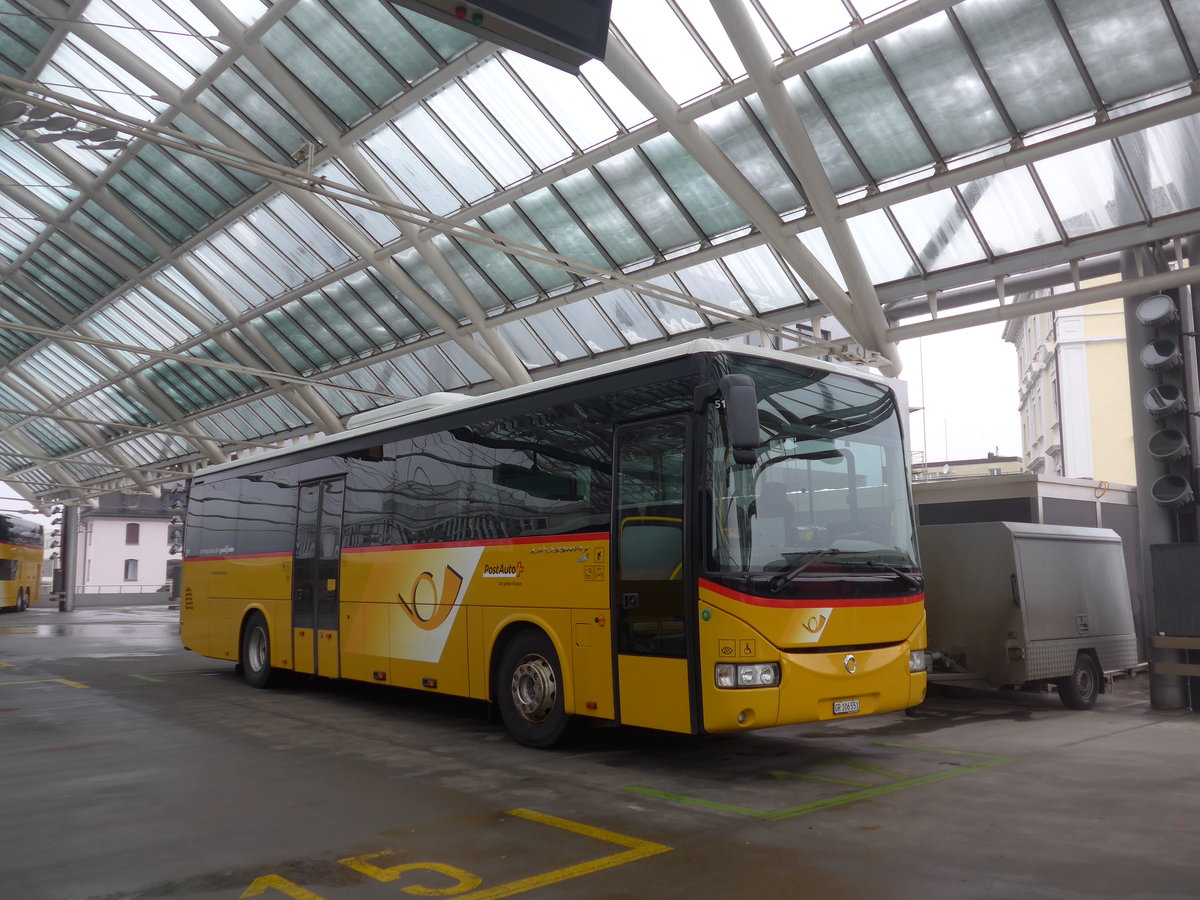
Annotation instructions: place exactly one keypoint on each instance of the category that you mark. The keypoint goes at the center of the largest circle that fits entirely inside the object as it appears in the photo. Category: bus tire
(22, 600)
(529, 690)
(256, 652)
(1080, 689)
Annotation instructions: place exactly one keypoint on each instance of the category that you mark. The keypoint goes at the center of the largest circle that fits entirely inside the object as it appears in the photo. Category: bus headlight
(918, 661)
(747, 675)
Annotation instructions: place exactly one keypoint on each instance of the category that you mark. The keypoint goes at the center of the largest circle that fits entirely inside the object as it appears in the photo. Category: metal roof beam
(866, 321)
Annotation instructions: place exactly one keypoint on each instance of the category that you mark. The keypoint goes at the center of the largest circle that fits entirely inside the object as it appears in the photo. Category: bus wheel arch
(254, 645)
(527, 686)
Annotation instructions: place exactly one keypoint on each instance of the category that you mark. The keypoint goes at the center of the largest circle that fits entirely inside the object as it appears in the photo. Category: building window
(132, 532)
(131, 570)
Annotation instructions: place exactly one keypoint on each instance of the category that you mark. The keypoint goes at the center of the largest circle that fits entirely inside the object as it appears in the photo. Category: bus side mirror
(740, 400)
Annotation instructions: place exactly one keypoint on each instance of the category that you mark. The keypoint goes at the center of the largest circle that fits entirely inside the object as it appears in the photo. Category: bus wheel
(1080, 689)
(529, 691)
(256, 652)
(22, 601)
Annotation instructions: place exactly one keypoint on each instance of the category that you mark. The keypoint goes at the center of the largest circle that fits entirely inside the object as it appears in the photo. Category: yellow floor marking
(466, 881)
(4, 665)
(277, 882)
(74, 684)
(638, 849)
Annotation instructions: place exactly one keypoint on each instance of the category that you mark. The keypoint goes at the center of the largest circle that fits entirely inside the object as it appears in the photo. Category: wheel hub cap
(534, 688)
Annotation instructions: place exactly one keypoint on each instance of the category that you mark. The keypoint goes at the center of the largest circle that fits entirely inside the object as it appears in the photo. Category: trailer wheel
(1080, 689)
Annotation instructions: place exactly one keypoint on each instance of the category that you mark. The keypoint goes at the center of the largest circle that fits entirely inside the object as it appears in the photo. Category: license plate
(842, 707)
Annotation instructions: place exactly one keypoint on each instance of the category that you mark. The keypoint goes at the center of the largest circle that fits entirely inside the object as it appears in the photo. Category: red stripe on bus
(806, 602)
(491, 542)
(238, 556)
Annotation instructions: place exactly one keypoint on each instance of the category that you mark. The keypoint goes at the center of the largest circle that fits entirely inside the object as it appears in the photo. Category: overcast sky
(968, 385)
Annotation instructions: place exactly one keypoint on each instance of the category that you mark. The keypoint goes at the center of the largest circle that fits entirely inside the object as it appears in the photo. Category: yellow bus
(21, 550)
(707, 538)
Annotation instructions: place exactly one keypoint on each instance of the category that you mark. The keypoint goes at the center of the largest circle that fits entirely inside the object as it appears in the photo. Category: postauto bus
(20, 563)
(707, 538)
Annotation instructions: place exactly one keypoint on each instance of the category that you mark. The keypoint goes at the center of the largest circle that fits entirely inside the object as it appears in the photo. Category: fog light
(918, 661)
(747, 675)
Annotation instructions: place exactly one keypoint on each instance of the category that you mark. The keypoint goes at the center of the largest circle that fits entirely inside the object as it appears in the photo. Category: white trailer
(1010, 603)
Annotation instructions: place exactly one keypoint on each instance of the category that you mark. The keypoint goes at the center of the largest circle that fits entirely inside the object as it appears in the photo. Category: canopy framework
(228, 224)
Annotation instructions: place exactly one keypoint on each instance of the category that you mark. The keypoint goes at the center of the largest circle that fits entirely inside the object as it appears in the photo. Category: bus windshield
(828, 496)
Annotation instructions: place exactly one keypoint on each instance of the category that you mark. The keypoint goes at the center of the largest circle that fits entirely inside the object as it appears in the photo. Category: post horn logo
(429, 612)
(850, 663)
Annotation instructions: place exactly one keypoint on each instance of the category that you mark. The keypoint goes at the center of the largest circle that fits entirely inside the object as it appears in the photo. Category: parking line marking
(4, 665)
(68, 683)
(987, 761)
(637, 849)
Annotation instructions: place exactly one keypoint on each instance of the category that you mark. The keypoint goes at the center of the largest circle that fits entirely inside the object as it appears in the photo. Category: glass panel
(506, 222)
(1017, 38)
(492, 148)
(477, 286)
(803, 24)
(1088, 190)
(528, 349)
(646, 201)
(674, 317)
(500, 268)
(345, 48)
(412, 263)
(665, 46)
(615, 95)
(938, 231)
(245, 99)
(713, 210)
(881, 248)
(380, 228)
(567, 99)
(312, 71)
(869, 113)
(436, 363)
(1010, 211)
(763, 279)
(380, 26)
(700, 14)
(933, 68)
(604, 218)
(432, 142)
(627, 313)
(521, 118)
(463, 361)
(592, 327)
(555, 334)
(553, 220)
(709, 282)
(1127, 46)
(1165, 160)
(408, 174)
(741, 141)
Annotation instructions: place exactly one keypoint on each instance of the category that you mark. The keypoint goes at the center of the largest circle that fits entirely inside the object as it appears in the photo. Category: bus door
(316, 568)
(652, 592)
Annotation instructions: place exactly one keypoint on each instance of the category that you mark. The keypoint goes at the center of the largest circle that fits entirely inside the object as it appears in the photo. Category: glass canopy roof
(232, 223)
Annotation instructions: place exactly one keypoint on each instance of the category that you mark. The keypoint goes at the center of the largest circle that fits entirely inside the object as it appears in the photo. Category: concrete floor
(134, 769)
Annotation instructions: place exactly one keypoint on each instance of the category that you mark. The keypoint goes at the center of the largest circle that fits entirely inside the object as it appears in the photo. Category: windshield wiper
(783, 579)
(778, 582)
(913, 580)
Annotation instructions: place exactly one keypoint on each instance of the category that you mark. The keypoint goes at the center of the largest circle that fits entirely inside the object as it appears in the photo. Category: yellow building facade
(1076, 420)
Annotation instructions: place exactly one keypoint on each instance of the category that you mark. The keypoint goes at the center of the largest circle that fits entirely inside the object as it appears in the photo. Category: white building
(123, 545)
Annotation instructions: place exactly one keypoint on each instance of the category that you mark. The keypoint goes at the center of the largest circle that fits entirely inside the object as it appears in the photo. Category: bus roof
(427, 407)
